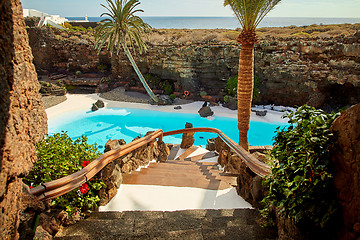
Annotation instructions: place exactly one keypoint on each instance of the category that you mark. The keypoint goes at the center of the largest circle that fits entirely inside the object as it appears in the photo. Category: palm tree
(249, 13)
(123, 28)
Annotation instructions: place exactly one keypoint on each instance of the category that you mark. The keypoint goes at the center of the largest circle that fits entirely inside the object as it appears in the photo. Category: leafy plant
(203, 93)
(102, 67)
(226, 98)
(231, 87)
(166, 86)
(300, 185)
(59, 156)
(172, 96)
(153, 80)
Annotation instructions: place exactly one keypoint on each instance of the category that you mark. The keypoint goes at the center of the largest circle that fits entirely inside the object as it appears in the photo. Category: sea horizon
(229, 22)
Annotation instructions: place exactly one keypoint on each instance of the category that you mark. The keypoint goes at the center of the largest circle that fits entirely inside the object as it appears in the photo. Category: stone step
(187, 152)
(173, 152)
(187, 224)
(181, 181)
(202, 156)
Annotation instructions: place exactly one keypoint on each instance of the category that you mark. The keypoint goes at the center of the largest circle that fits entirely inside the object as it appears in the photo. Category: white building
(53, 20)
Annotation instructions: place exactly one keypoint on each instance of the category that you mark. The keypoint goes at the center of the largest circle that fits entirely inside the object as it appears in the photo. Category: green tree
(122, 28)
(249, 13)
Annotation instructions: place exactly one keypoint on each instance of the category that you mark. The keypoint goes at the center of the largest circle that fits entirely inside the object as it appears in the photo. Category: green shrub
(256, 91)
(59, 156)
(172, 96)
(226, 98)
(78, 72)
(152, 80)
(231, 87)
(102, 67)
(166, 86)
(300, 184)
(203, 93)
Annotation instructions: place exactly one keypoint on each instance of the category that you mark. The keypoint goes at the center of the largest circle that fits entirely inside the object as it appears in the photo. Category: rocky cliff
(22, 114)
(317, 65)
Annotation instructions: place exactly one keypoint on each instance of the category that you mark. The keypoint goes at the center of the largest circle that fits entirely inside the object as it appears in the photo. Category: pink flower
(84, 188)
(85, 163)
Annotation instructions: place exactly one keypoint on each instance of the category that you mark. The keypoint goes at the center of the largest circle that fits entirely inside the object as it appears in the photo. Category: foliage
(70, 27)
(78, 72)
(102, 67)
(122, 28)
(300, 184)
(153, 80)
(251, 12)
(166, 86)
(156, 82)
(256, 91)
(59, 156)
(172, 96)
(231, 86)
(203, 93)
(226, 98)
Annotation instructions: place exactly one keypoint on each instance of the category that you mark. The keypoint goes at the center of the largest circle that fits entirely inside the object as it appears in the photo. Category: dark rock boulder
(164, 100)
(261, 113)
(177, 107)
(205, 112)
(187, 138)
(210, 144)
(96, 106)
(112, 177)
(231, 104)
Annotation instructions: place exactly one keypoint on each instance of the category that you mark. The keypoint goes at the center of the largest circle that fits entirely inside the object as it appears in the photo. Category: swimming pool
(128, 123)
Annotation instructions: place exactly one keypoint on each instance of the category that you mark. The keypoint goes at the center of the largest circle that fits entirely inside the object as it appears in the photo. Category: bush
(59, 156)
(300, 184)
(203, 93)
(166, 86)
(226, 98)
(231, 87)
(172, 96)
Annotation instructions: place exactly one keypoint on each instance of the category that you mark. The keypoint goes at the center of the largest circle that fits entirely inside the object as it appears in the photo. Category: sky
(286, 8)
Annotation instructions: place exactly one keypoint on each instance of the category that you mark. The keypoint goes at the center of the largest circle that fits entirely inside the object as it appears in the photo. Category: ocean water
(229, 22)
(128, 123)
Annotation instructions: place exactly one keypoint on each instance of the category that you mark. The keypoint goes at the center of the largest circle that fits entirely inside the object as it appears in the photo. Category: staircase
(188, 224)
(194, 167)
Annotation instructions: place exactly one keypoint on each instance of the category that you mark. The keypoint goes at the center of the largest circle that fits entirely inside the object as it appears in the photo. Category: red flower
(85, 163)
(84, 188)
(31, 187)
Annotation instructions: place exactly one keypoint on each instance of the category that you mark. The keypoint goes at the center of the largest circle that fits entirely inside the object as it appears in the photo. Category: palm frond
(251, 12)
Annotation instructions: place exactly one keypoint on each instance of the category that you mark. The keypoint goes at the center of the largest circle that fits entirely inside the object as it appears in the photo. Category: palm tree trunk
(142, 79)
(245, 92)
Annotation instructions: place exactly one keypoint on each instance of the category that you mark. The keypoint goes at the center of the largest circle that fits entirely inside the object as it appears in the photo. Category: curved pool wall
(128, 123)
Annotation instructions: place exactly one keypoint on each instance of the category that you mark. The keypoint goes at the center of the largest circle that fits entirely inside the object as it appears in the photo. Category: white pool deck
(163, 198)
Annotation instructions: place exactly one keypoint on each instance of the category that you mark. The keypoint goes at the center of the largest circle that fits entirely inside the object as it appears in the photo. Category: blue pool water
(128, 123)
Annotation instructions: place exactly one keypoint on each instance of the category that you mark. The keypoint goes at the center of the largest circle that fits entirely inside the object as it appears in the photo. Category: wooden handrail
(66, 184)
(259, 168)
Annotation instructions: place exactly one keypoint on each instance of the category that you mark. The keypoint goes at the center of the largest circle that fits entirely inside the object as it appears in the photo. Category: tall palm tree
(249, 13)
(123, 28)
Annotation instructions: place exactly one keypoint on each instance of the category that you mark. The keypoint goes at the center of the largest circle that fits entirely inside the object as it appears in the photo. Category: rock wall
(22, 114)
(292, 71)
(57, 51)
(346, 156)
